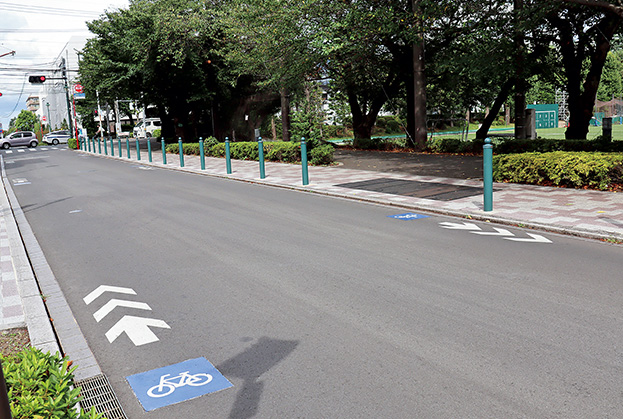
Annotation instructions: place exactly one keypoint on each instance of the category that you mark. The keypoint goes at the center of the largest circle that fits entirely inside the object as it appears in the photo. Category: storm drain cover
(414, 188)
(96, 392)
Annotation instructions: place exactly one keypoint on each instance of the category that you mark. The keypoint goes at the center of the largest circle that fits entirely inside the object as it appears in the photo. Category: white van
(147, 130)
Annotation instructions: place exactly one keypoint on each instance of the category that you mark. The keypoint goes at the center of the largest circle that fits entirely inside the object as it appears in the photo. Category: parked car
(18, 138)
(147, 130)
(56, 137)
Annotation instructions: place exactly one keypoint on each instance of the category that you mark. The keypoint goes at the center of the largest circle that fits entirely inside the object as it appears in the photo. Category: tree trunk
(581, 104)
(285, 114)
(495, 109)
(419, 85)
(520, 78)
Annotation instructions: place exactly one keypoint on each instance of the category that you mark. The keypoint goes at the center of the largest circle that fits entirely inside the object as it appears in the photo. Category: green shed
(546, 116)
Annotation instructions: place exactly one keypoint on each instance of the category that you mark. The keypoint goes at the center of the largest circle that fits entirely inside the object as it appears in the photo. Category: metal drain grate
(96, 392)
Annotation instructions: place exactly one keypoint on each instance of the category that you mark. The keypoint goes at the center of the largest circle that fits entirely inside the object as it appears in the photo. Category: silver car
(19, 138)
(56, 137)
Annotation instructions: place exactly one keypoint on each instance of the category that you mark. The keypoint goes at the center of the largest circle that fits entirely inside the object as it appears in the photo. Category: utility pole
(64, 75)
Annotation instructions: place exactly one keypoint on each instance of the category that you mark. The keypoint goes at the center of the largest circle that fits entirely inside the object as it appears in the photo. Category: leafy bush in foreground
(575, 169)
(39, 386)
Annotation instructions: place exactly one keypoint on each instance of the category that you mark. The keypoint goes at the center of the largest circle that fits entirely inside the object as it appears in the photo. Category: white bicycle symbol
(168, 385)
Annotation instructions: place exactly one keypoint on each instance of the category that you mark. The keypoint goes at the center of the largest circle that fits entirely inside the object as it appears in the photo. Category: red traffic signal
(0, 94)
(36, 79)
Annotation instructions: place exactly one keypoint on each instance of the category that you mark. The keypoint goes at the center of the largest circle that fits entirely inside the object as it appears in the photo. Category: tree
(610, 85)
(25, 121)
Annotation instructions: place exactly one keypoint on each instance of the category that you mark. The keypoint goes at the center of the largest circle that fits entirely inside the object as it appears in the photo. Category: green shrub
(157, 133)
(454, 145)
(287, 152)
(209, 143)
(72, 143)
(39, 386)
(574, 169)
(322, 155)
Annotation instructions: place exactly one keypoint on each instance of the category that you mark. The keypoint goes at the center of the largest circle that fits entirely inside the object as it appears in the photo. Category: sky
(37, 31)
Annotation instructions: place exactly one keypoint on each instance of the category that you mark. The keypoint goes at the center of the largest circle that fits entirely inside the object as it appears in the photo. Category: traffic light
(0, 94)
(36, 79)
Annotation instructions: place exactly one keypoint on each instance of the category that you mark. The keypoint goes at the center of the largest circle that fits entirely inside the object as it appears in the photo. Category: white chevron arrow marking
(114, 303)
(535, 239)
(459, 226)
(498, 232)
(137, 329)
(106, 288)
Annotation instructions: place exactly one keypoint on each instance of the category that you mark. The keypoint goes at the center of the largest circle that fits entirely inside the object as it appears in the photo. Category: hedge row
(511, 145)
(39, 386)
(281, 151)
(574, 169)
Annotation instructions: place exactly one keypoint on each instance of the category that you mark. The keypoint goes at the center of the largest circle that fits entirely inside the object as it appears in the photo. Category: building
(32, 103)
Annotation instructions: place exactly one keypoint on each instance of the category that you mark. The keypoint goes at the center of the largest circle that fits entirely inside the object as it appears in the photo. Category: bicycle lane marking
(177, 383)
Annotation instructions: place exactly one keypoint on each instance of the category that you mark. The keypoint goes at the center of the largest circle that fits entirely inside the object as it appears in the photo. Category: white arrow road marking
(106, 288)
(114, 303)
(137, 329)
(498, 232)
(459, 226)
(535, 239)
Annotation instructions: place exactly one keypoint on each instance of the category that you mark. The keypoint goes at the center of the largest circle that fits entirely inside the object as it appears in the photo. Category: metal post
(5, 405)
(227, 156)
(201, 154)
(180, 150)
(127, 146)
(112, 147)
(105, 148)
(304, 161)
(260, 152)
(138, 150)
(487, 159)
(89, 144)
(164, 152)
(149, 149)
(119, 142)
(99, 146)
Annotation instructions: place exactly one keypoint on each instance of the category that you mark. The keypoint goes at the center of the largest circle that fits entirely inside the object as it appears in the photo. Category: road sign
(78, 88)
(177, 383)
(408, 216)
(43, 118)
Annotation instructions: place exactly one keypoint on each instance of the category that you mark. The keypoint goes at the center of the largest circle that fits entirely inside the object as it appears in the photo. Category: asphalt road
(318, 307)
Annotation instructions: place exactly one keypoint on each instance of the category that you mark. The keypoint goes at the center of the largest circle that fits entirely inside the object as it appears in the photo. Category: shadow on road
(249, 366)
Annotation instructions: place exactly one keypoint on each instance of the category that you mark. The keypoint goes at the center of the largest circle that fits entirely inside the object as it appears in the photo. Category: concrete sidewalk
(578, 212)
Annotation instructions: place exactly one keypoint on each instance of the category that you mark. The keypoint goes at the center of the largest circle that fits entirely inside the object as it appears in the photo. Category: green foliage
(610, 85)
(453, 145)
(157, 133)
(26, 121)
(322, 155)
(72, 143)
(335, 131)
(39, 386)
(511, 145)
(573, 169)
(280, 151)
(307, 119)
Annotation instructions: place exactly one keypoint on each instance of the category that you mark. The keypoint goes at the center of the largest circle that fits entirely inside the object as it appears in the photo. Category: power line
(14, 7)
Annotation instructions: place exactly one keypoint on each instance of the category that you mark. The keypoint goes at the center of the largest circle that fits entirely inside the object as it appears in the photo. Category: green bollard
(119, 142)
(127, 146)
(89, 144)
(487, 160)
(180, 150)
(202, 154)
(164, 152)
(138, 150)
(99, 146)
(260, 152)
(112, 147)
(304, 161)
(149, 149)
(227, 156)
(105, 148)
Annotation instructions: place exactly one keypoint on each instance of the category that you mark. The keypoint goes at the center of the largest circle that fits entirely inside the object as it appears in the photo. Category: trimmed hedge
(72, 143)
(573, 169)
(280, 151)
(511, 145)
(39, 386)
